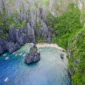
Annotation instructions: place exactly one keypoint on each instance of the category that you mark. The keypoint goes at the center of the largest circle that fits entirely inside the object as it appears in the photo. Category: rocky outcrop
(35, 16)
(12, 33)
(2, 46)
(1, 49)
(33, 56)
(11, 47)
(30, 33)
(8, 46)
(62, 56)
(16, 38)
(20, 37)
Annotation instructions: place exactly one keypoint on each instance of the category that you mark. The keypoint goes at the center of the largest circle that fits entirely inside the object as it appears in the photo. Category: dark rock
(49, 39)
(1, 50)
(62, 56)
(38, 32)
(45, 31)
(2, 46)
(30, 33)
(33, 56)
(20, 37)
(11, 47)
(33, 49)
(12, 34)
(28, 59)
(17, 46)
(36, 58)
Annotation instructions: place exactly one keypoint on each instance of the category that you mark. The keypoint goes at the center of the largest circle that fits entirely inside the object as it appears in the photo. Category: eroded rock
(11, 47)
(62, 56)
(33, 56)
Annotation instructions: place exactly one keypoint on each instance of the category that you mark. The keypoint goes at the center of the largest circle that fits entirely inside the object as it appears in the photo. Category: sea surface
(50, 70)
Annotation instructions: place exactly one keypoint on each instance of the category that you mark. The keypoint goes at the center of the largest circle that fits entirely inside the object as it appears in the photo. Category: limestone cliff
(26, 20)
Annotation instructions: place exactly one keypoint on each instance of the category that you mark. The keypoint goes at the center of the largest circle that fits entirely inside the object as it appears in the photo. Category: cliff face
(23, 21)
(26, 20)
(55, 6)
(59, 6)
(81, 4)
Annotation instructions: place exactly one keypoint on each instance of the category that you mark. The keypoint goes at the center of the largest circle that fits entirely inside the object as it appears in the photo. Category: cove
(50, 70)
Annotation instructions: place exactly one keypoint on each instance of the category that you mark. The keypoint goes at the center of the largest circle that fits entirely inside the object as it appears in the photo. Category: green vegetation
(67, 25)
(3, 23)
(7, 23)
(78, 56)
(13, 20)
(71, 36)
(45, 3)
(39, 39)
(39, 25)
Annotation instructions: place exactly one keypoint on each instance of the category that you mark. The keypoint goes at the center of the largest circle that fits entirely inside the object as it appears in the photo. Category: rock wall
(31, 11)
(59, 6)
(34, 12)
(55, 6)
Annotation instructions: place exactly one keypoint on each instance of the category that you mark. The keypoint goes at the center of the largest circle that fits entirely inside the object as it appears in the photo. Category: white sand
(49, 45)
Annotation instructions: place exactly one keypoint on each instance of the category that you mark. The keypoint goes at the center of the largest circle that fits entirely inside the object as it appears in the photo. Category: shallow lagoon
(50, 70)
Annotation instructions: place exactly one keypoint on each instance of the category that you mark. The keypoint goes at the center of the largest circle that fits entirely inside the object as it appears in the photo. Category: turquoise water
(50, 70)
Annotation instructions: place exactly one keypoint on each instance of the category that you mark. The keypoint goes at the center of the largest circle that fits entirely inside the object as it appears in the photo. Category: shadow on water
(32, 64)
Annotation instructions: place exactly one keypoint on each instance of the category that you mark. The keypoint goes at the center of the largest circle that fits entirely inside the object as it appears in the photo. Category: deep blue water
(50, 70)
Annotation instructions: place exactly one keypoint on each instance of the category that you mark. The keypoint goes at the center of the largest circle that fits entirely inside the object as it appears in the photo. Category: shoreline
(39, 45)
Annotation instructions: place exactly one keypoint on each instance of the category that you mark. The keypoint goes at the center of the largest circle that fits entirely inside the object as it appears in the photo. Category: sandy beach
(39, 45)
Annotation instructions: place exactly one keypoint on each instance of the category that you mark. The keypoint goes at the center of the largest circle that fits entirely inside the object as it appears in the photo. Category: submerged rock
(33, 56)
(62, 56)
